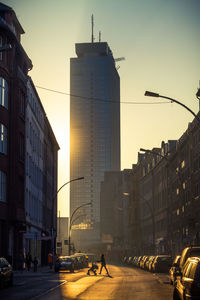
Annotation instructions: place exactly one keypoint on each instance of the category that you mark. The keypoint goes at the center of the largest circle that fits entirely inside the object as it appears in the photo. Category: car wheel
(175, 295)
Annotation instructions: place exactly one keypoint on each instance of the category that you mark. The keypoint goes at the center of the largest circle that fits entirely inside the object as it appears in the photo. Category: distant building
(94, 134)
(114, 212)
(62, 240)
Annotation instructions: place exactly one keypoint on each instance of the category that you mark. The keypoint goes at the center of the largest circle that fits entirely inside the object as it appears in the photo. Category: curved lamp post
(72, 221)
(79, 178)
(152, 94)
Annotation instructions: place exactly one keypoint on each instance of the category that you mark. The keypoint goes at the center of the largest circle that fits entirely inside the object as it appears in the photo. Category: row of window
(34, 135)
(35, 107)
(33, 207)
(34, 172)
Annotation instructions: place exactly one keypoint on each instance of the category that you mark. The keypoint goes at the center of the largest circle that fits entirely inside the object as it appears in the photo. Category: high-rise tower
(94, 135)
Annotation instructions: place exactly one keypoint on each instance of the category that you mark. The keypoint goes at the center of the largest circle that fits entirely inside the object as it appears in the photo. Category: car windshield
(195, 252)
(164, 259)
(65, 259)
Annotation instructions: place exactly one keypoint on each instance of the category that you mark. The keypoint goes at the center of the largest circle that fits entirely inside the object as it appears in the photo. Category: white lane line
(48, 291)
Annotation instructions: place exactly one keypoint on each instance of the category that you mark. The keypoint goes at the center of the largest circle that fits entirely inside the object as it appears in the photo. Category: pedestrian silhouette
(103, 264)
(35, 263)
(93, 268)
(28, 261)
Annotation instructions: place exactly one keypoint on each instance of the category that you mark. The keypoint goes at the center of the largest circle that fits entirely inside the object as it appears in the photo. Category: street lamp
(54, 196)
(79, 178)
(151, 94)
(71, 222)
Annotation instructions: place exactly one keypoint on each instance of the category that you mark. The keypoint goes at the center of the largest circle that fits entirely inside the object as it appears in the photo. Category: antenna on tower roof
(92, 29)
(99, 36)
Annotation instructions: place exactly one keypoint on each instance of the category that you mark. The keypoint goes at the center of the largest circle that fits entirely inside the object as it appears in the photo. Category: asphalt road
(124, 284)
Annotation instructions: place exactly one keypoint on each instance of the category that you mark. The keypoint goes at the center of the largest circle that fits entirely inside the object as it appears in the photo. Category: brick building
(14, 67)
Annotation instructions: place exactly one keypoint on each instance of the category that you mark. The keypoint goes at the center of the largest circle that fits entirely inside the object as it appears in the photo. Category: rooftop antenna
(92, 29)
(99, 36)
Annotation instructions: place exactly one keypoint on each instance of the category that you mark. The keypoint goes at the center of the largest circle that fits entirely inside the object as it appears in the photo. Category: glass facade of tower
(94, 135)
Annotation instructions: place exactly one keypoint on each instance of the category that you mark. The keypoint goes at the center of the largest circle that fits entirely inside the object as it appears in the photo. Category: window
(3, 93)
(3, 139)
(2, 186)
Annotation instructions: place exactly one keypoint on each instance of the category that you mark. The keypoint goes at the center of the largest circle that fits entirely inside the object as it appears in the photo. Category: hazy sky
(160, 42)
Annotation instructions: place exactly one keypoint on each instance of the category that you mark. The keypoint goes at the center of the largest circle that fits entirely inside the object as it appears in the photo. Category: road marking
(48, 291)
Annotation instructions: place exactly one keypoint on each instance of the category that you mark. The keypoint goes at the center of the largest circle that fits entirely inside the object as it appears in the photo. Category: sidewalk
(40, 270)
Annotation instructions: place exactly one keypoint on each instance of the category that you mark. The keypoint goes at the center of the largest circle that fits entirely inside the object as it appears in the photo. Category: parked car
(6, 273)
(162, 263)
(138, 261)
(125, 259)
(187, 284)
(82, 260)
(134, 261)
(142, 262)
(66, 263)
(174, 269)
(148, 262)
(193, 251)
(129, 261)
(151, 264)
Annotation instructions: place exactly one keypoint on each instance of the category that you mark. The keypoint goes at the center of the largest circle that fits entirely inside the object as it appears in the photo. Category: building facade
(94, 134)
(28, 154)
(39, 238)
(14, 67)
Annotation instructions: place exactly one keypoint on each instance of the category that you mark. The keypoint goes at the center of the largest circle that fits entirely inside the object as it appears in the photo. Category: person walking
(21, 261)
(50, 260)
(103, 264)
(28, 261)
(35, 263)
